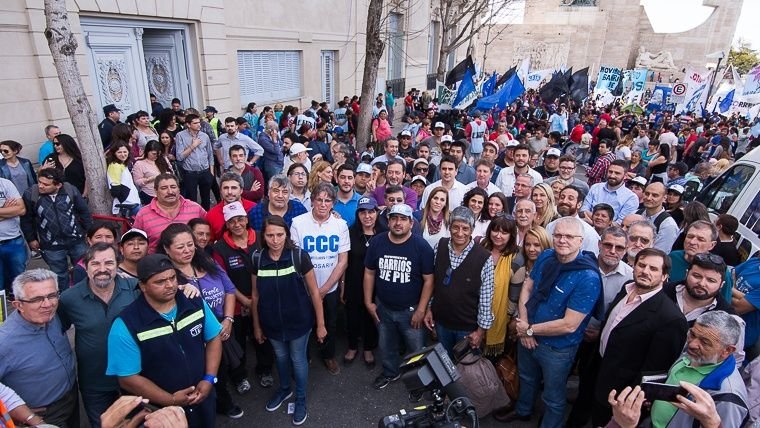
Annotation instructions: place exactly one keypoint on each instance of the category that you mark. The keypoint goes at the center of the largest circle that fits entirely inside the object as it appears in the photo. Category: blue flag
(466, 87)
(509, 92)
(727, 101)
(489, 86)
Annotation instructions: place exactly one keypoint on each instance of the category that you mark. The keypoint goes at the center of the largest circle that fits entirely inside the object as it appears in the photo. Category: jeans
(197, 181)
(395, 326)
(553, 365)
(292, 354)
(13, 258)
(58, 263)
(330, 309)
(449, 337)
(96, 403)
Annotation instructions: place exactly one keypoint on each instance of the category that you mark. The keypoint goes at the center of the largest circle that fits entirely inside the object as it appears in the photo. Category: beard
(701, 296)
(102, 281)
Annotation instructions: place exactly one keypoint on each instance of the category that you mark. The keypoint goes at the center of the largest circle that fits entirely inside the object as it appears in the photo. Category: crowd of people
(461, 226)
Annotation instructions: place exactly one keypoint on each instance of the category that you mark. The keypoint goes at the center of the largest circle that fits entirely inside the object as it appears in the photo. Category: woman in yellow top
(120, 180)
(501, 240)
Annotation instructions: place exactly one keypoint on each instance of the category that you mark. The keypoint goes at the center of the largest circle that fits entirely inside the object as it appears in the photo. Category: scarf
(434, 225)
(497, 334)
(552, 269)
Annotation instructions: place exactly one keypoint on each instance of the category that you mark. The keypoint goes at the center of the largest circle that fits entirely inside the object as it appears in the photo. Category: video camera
(432, 370)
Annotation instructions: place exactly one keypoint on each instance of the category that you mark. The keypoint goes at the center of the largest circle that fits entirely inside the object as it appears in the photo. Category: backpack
(658, 220)
(295, 254)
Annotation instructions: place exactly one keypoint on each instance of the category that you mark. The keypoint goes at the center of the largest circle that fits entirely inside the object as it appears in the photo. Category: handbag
(506, 368)
(480, 380)
(232, 353)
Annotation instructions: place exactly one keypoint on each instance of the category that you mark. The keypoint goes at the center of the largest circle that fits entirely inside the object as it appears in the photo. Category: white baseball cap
(553, 152)
(447, 138)
(419, 178)
(364, 168)
(406, 133)
(439, 125)
(401, 209)
(297, 148)
(676, 188)
(233, 210)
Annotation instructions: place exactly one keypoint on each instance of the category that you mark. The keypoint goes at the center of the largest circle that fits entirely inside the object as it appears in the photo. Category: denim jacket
(31, 177)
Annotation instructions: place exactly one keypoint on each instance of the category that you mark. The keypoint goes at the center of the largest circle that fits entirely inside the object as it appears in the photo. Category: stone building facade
(606, 32)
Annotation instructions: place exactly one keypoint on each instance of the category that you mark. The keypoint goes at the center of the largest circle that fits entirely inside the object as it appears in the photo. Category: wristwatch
(529, 331)
(210, 379)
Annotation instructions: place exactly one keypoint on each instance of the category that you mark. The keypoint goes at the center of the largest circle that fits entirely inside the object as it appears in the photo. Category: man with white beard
(640, 235)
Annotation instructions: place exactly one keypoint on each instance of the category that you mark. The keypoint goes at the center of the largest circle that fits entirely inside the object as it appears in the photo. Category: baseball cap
(641, 181)
(367, 203)
(151, 265)
(419, 178)
(297, 148)
(462, 214)
(109, 108)
(364, 168)
(401, 209)
(232, 210)
(676, 188)
(419, 161)
(406, 133)
(439, 125)
(131, 233)
(553, 152)
(512, 143)
(447, 138)
(210, 109)
(493, 144)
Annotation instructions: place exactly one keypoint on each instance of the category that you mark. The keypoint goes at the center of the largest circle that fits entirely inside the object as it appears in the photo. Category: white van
(737, 192)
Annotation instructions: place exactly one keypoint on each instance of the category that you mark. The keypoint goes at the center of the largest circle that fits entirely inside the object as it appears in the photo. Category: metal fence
(398, 87)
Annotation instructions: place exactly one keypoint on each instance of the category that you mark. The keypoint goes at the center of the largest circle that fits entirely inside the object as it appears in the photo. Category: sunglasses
(709, 257)
(447, 278)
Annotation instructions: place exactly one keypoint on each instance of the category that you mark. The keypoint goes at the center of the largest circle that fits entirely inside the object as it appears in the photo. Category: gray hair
(525, 201)
(645, 224)
(615, 232)
(342, 148)
(279, 180)
(728, 328)
(32, 275)
(574, 221)
(704, 224)
(231, 176)
(272, 126)
(463, 214)
(530, 177)
(326, 188)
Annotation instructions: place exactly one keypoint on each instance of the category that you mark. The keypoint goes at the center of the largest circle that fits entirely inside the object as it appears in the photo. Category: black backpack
(296, 254)
(658, 220)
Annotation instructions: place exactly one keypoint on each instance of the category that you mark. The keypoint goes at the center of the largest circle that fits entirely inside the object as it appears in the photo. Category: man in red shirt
(231, 190)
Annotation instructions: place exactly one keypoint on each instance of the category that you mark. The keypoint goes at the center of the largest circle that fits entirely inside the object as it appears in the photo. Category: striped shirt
(152, 220)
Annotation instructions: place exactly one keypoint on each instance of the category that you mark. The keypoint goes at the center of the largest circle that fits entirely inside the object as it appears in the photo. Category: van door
(731, 194)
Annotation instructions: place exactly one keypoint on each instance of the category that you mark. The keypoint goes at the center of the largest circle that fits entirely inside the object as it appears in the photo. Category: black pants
(264, 351)
(358, 321)
(330, 309)
(227, 374)
(194, 182)
(585, 406)
(64, 412)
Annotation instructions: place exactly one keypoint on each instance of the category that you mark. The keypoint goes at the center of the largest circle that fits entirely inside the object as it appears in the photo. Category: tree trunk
(63, 46)
(371, 60)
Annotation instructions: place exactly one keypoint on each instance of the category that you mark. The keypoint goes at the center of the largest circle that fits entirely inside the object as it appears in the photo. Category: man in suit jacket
(643, 332)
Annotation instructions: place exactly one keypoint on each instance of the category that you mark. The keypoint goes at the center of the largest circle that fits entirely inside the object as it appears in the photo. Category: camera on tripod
(431, 369)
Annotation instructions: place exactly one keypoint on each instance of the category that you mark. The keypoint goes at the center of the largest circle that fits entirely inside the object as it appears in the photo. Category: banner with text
(696, 81)
(637, 80)
(606, 82)
(537, 78)
(751, 92)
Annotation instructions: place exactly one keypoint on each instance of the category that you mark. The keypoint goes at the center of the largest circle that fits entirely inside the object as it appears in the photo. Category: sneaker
(276, 401)
(382, 381)
(36, 254)
(243, 387)
(266, 380)
(300, 414)
(235, 412)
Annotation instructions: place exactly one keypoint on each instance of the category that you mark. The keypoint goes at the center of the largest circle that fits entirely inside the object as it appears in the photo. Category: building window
(434, 47)
(328, 77)
(269, 76)
(395, 46)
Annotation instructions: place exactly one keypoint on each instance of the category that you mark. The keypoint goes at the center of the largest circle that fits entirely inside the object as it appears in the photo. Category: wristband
(29, 418)
(210, 379)
(230, 319)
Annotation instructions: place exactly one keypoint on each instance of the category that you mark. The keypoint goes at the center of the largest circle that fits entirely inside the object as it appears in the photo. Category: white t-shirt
(301, 119)
(324, 243)
(9, 227)
(456, 194)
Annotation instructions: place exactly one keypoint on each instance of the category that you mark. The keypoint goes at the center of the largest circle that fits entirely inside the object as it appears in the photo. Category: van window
(751, 217)
(721, 193)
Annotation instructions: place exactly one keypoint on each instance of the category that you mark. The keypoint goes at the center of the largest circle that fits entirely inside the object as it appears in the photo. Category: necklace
(367, 238)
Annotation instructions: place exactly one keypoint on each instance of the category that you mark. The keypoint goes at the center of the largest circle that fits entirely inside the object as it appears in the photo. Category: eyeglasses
(562, 236)
(416, 169)
(608, 246)
(567, 168)
(709, 257)
(447, 278)
(52, 297)
(56, 143)
(395, 200)
(641, 239)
